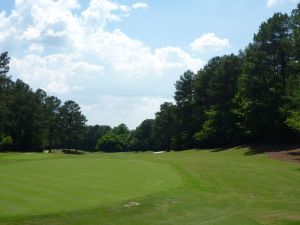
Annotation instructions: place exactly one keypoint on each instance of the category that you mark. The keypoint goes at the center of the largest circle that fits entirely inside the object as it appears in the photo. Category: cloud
(55, 72)
(209, 42)
(36, 48)
(140, 5)
(69, 51)
(271, 3)
(133, 110)
(100, 12)
(53, 29)
(174, 58)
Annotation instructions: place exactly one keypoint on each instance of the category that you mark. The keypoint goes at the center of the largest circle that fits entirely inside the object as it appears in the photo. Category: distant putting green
(64, 184)
(196, 187)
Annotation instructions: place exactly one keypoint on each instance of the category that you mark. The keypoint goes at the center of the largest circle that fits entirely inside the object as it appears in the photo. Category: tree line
(253, 96)
(32, 120)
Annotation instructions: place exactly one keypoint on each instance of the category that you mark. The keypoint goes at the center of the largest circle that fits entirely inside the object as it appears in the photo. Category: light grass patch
(132, 204)
(66, 184)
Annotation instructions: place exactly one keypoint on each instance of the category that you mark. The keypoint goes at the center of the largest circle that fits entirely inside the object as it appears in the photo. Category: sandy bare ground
(291, 155)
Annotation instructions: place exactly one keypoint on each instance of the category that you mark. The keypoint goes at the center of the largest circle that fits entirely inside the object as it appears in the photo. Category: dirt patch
(291, 155)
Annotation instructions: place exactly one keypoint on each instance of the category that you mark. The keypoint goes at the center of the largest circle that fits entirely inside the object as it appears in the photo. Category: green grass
(189, 188)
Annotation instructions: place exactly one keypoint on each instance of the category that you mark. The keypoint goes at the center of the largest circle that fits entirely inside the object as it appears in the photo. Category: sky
(119, 59)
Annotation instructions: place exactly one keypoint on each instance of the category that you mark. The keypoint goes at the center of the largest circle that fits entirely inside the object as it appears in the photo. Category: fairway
(190, 187)
(63, 184)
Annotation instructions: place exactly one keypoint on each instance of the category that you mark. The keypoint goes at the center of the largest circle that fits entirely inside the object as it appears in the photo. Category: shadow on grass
(227, 148)
(218, 150)
(255, 149)
(72, 152)
(294, 153)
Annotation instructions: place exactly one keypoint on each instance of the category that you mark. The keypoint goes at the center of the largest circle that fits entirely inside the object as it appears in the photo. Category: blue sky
(179, 22)
(120, 59)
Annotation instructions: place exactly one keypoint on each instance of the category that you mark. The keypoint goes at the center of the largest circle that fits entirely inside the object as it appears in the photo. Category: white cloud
(55, 72)
(271, 3)
(174, 58)
(209, 42)
(114, 110)
(100, 12)
(68, 51)
(78, 88)
(36, 48)
(140, 5)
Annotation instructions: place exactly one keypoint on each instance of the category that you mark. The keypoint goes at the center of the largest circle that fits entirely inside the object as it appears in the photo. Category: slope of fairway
(64, 184)
(213, 188)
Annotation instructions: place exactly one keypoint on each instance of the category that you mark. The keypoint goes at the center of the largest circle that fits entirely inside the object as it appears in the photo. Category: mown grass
(190, 188)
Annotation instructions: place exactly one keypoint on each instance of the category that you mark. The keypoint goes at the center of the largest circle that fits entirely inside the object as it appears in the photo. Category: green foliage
(293, 118)
(92, 135)
(122, 129)
(293, 121)
(72, 122)
(6, 142)
(4, 64)
(34, 120)
(52, 120)
(209, 127)
(165, 127)
(111, 143)
(185, 104)
(115, 140)
(5, 98)
(244, 98)
(143, 137)
(263, 87)
(215, 90)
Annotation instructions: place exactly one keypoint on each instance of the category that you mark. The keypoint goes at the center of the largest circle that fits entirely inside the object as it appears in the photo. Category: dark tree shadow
(72, 152)
(294, 153)
(218, 150)
(259, 148)
(255, 149)
(230, 147)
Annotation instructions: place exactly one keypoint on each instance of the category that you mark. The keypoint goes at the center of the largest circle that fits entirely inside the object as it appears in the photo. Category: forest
(251, 97)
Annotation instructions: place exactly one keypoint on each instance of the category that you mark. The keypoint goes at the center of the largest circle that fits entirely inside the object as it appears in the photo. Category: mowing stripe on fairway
(51, 186)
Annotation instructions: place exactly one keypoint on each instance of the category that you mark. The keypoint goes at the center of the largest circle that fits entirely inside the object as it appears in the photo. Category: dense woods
(250, 97)
(31, 120)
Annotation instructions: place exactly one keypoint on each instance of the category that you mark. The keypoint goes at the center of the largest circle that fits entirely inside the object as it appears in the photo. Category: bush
(110, 143)
(293, 121)
(6, 142)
